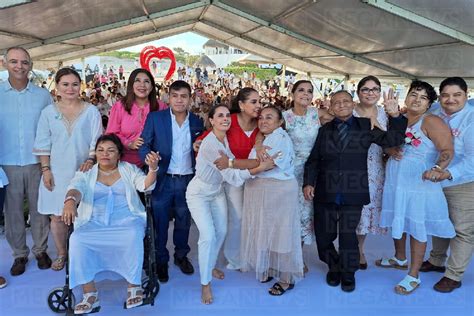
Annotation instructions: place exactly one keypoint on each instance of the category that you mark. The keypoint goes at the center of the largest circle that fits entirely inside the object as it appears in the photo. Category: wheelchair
(61, 300)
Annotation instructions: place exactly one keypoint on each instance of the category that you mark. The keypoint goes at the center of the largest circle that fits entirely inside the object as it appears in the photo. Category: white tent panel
(349, 66)
(430, 62)
(288, 43)
(222, 17)
(457, 14)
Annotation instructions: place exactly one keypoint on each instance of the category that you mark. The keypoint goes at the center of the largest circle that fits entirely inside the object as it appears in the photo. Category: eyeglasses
(367, 90)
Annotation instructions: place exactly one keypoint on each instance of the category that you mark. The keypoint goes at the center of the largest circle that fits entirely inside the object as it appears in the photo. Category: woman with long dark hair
(128, 116)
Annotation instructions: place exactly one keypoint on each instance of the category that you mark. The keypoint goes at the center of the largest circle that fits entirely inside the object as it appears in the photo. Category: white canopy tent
(393, 39)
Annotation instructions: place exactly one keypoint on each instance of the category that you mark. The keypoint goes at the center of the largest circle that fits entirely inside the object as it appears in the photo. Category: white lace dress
(303, 131)
(370, 217)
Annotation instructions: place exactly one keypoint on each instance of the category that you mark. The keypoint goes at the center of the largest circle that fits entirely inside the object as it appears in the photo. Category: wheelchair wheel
(58, 300)
(150, 293)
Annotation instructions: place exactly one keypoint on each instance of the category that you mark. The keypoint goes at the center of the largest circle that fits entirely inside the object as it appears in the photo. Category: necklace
(108, 173)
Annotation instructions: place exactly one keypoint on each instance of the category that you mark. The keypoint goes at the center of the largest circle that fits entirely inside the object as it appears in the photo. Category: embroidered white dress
(68, 144)
(303, 131)
(410, 204)
(370, 216)
(112, 240)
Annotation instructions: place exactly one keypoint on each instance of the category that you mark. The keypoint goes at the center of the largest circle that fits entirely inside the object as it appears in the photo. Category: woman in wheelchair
(109, 223)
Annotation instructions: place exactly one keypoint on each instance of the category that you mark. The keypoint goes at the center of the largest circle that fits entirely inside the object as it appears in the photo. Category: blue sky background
(190, 42)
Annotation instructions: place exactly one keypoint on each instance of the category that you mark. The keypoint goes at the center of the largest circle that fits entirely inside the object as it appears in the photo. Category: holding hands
(436, 175)
(152, 159)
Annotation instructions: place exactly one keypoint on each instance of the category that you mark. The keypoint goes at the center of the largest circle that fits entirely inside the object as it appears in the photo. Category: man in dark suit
(171, 133)
(336, 177)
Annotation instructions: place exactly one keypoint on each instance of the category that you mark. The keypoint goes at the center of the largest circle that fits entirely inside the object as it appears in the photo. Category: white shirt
(3, 178)
(181, 162)
(19, 115)
(462, 129)
(207, 172)
(85, 182)
(279, 142)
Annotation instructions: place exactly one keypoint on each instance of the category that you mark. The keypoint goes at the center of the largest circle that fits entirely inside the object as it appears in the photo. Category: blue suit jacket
(158, 136)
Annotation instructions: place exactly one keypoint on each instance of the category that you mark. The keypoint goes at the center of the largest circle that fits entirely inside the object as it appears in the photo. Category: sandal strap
(85, 299)
(133, 291)
(406, 282)
(386, 261)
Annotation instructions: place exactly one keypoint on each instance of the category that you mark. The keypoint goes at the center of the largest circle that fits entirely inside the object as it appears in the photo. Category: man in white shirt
(171, 133)
(458, 187)
(20, 108)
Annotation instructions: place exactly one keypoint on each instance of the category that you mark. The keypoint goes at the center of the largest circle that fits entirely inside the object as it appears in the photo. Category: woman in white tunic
(65, 141)
(109, 224)
(206, 197)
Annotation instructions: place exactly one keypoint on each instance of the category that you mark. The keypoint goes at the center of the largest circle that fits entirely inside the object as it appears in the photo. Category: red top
(240, 144)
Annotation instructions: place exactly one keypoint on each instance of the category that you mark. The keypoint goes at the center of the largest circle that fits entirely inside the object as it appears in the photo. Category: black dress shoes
(184, 265)
(348, 283)
(162, 271)
(333, 278)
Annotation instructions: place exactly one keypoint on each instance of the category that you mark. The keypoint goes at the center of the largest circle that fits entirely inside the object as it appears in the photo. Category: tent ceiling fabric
(327, 37)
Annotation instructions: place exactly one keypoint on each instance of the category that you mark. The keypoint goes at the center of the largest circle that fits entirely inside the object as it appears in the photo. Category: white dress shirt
(181, 162)
(462, 129)
(19, 115)
(207, 172)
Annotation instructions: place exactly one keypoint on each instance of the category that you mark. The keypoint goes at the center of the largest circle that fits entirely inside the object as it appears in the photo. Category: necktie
(343, 131)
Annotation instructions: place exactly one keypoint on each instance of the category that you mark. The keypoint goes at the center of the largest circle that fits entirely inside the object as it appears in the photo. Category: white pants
(208, 207)
(235, 200)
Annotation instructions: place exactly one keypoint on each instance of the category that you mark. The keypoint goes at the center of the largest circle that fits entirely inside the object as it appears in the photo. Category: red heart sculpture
(150, 52)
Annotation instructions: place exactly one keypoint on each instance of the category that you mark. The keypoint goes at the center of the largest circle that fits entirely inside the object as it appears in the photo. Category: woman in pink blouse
(127, 116)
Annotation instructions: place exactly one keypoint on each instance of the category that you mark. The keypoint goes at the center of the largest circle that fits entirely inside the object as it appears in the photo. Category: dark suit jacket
(158, 136)
(332, 169)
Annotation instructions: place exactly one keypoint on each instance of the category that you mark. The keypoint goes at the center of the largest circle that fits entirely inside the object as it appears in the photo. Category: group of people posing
(259, 185)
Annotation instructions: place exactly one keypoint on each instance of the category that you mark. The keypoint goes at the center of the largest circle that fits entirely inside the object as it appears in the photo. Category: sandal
(407, 285)
(89, 308)
(132, 296)
(268, 279)
(58, 263)
(277, 286)
(392, 263)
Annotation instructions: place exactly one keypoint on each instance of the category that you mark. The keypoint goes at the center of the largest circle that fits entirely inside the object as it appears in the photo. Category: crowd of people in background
(261, 173)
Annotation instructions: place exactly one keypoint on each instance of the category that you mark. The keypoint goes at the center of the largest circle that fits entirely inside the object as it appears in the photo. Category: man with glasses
(20, 108)
(335, 177)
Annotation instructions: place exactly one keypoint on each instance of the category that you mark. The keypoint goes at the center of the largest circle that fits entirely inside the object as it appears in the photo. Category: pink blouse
(128, 127)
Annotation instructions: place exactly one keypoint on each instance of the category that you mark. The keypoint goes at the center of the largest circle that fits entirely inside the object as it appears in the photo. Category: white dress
(68, 144)
(111, 241)
(370, 216)
(303, 131)
(410, 204)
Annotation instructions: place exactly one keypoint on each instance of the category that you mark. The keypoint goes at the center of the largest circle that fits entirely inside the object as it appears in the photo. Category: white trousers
(235, 201)
(208, 207)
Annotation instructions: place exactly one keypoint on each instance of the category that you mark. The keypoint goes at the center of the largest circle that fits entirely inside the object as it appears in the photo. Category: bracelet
(153, 170)
(450, 175)
(45, 168)
(437, 167)
(231, 163)
(91, 160)
(70, 197)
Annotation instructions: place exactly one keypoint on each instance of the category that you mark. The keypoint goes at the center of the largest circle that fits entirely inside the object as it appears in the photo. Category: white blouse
(85, 182)
(280, 142)
(3, 178)
(206, 170)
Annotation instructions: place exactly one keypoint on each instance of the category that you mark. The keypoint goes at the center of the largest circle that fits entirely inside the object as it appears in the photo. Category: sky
(190, 42)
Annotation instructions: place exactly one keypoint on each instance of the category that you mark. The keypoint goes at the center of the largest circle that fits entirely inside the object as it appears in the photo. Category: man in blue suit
(171, 133)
